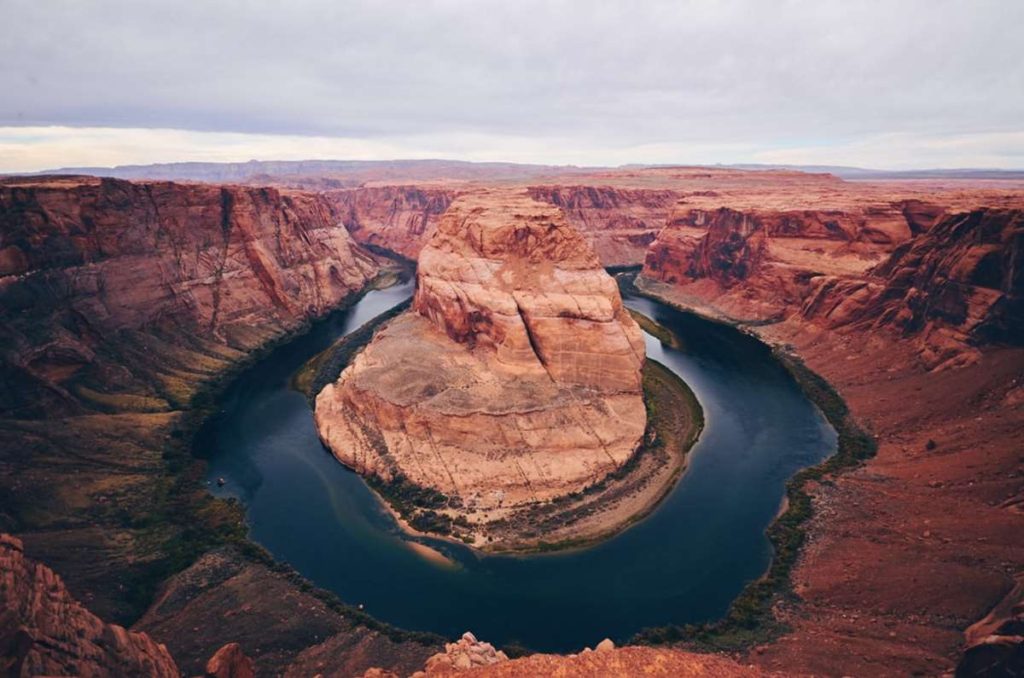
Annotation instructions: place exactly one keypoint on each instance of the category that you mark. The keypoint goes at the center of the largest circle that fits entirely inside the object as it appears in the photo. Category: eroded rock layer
(922, 339)
(619, 222)
(515, 378)
(45, 632)
(941, 503)
(951, 287)
(106, 286)
(758, 265)
(957, 286)
(119, 301)
(397, 218)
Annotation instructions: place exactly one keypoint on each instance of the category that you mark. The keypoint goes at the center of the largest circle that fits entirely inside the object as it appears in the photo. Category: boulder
(230, 662)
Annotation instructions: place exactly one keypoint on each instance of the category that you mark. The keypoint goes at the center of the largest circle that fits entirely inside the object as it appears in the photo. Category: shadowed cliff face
(619, 222)
(118, 302)
(954, 286)
(118, 296)
(880, 318)
(960, 284)
(731, 251)
(397, 218)
(757, 265)
(44, 631)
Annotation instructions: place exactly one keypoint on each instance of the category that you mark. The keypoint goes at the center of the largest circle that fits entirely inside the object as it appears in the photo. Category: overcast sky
(885, 84)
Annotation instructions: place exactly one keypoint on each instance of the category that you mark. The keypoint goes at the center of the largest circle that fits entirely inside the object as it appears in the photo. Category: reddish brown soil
(908, 551)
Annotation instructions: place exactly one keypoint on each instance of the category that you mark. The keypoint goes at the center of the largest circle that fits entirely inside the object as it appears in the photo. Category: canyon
(619, 222)
(919, 331)
(123, 302)
(399, 219)
(141, 287)
(122, 305)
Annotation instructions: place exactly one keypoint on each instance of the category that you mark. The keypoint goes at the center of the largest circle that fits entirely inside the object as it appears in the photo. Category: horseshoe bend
(523, 399)
(514, 382)
(687, 340)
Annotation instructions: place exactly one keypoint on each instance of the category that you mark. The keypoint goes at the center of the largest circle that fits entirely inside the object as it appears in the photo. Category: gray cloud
(600, 75)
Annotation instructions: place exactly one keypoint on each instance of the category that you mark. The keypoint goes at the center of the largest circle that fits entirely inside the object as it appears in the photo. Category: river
(683, 564)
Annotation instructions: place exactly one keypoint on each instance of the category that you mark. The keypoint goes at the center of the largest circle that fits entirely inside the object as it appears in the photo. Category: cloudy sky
(887, 84)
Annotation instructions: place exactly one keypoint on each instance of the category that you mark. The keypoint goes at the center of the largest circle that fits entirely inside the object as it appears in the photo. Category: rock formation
(626, 661)
(619, 222)
(481, 659)
(105, 285)
(107, 293)
(995, 644)
(959, 285)
(462, 655)
(44, 631)
(230, 662)
(746, 245)
(119, 301)
(516, 377)
(397, 218)
(758, 265)
(953, 286)
(225, 598)
(875, 316)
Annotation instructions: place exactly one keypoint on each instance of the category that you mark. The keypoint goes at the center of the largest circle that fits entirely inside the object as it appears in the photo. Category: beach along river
(682, 564)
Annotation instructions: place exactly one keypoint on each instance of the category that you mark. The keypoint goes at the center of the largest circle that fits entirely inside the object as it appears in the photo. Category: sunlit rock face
(514, 378)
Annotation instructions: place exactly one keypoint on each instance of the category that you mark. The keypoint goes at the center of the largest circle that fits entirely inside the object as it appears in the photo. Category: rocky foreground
(44, 631)
(514, 380)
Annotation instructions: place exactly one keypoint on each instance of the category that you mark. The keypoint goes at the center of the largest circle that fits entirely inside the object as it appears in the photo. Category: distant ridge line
(352, 172)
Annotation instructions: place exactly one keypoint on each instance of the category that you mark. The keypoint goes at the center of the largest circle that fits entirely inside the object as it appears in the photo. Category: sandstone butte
(513, 380)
